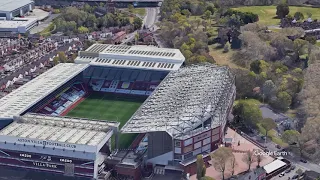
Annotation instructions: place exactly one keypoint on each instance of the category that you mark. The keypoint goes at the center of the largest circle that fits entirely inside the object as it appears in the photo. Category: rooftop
(59, 129)
(274, 165)
(142, 57)
(17, 22)
(10, 5)
(21, 99)
(183, 100)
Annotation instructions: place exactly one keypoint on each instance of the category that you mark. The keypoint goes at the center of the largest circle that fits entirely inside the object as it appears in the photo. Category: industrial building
(10, 9)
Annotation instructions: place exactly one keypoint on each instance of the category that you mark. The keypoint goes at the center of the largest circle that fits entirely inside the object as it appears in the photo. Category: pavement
(150, 18)
(44, 24)
(290, 174)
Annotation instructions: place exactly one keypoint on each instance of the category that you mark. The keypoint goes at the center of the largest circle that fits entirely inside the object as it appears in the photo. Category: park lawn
(139, 11)
(111, 108)
(220, 57)
(267, 14)
(318, 43)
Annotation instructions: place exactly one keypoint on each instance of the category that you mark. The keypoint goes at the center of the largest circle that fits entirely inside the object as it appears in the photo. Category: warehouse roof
(10, 5)
(21, 99)
(142, 57)
(59, 129)
(183, 100)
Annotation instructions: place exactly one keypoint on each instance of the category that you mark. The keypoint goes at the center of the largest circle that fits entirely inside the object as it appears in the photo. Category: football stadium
(119, 111)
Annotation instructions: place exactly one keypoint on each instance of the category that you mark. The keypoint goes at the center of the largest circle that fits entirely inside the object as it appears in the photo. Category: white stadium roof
(139, 57)
(59, 129)
(10, 5)
(183, 100)
(21, 99)
(274, 165)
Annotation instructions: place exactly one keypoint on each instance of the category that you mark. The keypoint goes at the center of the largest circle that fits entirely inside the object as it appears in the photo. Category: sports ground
(109, 107)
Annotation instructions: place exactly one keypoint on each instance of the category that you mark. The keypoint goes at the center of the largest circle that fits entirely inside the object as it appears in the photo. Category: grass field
(109, 107)
(267, 13)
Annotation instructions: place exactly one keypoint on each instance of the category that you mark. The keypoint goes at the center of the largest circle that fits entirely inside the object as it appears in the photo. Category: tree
(211, 9)
(207, 15)
(137, 23)
(247, 113)
(268, 124)
(258, 157)
(220, 159)
(248, 158)
(130, 7)
(300, 46)
(233, 164)
(83, 30)
(298, 16)
(269, 89)
(62, 57)
(282, 10)
(201, 168)
(283, 100)
(186, 12)
(294, 139)
(56, 60)
(311, 39)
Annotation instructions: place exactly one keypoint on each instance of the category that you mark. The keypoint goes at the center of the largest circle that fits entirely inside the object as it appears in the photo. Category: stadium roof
(141, 57)
(60, 129)
(183, 100)
(10, 5)
(21, 99)
(274, 165)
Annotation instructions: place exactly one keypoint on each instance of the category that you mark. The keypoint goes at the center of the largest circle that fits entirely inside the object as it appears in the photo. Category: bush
(226, 48)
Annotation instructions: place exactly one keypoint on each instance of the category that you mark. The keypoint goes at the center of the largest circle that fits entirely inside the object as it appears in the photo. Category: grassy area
(107, 107)
(318, 43)
(273, 135)
(220, 57)
(267, 13)
(139, 11)
(47, 30)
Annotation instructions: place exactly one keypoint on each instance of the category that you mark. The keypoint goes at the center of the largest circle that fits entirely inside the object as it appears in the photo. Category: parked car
(278, 146)
(292, 167)
(288, 170)
(295, 177)
(303, 160)
(282, 174)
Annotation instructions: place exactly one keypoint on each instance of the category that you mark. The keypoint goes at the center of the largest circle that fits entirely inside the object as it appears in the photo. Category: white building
(13, 8)
(18, 25)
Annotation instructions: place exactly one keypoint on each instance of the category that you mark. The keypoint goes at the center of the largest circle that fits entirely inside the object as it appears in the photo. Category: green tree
(62, 57)
(220, 159)
(294, 139)
(284, 100)
(248, 113)
(56, 60)
(137, 23)
(268, 89)
(83, 30)
(207, 15)
(210, 8)
(282, 10)
(268, 124)
(298, 16)
(311, 39)
(186, 12)
(131, 8)
(201, 168)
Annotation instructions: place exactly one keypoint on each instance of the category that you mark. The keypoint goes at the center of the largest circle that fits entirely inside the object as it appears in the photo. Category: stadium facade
(184, 114)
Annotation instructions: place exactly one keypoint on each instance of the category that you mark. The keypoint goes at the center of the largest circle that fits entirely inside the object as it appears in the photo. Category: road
(43, 24)
(148, 21)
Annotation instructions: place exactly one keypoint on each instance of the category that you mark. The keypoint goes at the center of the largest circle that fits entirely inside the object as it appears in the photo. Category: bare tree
(248, 158)
(220, 159)
(233, 164)
(258, 157)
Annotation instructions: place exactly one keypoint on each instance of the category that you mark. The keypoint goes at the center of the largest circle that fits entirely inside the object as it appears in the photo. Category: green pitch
(109, 107)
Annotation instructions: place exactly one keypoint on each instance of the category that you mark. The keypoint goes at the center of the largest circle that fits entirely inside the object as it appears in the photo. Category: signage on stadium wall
(47, 144)
(45, 157)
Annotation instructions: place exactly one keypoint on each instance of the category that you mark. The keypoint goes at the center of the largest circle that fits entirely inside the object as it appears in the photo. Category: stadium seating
(63, 101)
(125, 81)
